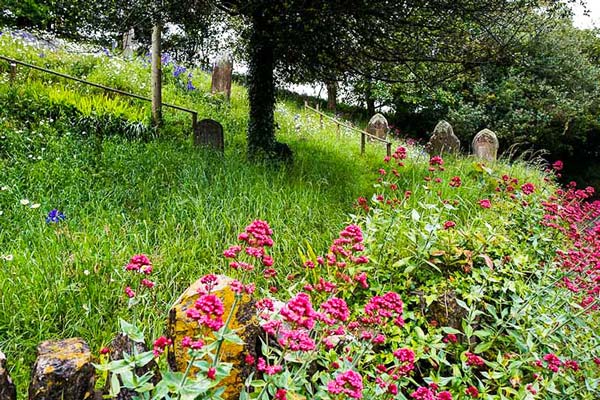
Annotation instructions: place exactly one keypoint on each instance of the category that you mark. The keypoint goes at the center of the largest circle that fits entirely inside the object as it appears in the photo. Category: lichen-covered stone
(485, 145)
(378, 126)
(62, 371)
(443, 140)
(445, 311)
(122, 344)
(8, 390)
(244, 322)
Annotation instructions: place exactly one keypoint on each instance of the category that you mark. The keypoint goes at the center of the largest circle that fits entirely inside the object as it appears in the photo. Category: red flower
(211, 373)
(449, 224)
(558, 165)
(472, 391)
(474, 360)
(349, 383)
(528, 188)
(485, 203)
(281, 394)
(436, 160)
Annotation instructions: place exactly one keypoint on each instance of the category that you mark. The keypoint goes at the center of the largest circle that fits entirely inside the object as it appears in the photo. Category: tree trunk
(156, 76)
(332, 95)
(261, 88)
(370, 100)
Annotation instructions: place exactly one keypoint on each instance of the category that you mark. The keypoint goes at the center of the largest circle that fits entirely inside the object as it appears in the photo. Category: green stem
(221, 340)
(185, 375)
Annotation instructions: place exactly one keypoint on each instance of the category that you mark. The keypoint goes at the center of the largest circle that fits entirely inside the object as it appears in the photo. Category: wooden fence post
(363, 140)
(389, 149)
(13, 72)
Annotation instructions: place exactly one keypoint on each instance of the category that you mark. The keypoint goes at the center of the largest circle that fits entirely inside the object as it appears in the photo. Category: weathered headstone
(244, 322)
(122, 344)
(378, 126)
(221, 76)
(209, 132)
(7, 388)
(128, 43)
(485, 145)
(443, 140)
(63, 371)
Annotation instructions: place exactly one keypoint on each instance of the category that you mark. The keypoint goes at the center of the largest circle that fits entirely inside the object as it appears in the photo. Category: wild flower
(485, 203)
(54, 216)
(472, 392)
(455, 181)
(449, 224)
(436, 160)
(474, 360)
(528, 188)
(208, 311)
(159, 345)
(178, 70)
(348, 383)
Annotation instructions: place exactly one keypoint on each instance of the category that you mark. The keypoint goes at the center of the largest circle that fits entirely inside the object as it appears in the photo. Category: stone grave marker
(221, 76)
(485, 145)
(244, 321)
(209, 132)
(63, 370)
(378, 126)
(7, 388)
(128, 43)
(443, 140)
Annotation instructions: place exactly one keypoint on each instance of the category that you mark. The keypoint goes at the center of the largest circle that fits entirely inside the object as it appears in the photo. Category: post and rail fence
(363, 134)
(13, 73)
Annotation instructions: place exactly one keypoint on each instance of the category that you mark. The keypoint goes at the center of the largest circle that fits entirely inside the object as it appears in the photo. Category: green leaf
(131, 331)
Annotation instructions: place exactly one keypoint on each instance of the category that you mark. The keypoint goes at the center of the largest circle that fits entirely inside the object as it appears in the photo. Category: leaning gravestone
(128, 43)
(209, 132)
(63, 371)
(378, 126)
(7, 388)
(243, 321)
(221, 76)
(485, 145)
(443, 140)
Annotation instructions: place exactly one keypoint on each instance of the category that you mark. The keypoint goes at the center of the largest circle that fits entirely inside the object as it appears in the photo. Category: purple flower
(178, 70)
(190, 86)
(165, 58)
(55, 216)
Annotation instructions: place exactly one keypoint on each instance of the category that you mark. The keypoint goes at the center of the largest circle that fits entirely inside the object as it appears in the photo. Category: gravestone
(128, 43)
(63, 370)
(243, 321)
(7, 388)
(485, 145)
(443, 140)
(378, 126)
(209, 132)
(221, 76)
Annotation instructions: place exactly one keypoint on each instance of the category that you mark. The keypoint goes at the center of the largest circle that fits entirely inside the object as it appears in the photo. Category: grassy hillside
(434, 231)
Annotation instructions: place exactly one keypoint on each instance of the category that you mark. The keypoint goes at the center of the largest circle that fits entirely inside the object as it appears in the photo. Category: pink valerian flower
(474, 360)
(455, 181)
(449, 224)
(472, 392)
(209, 281)
(558, 166)
(485, 203)
(257, 234)
(572, 364)
(296, 340)
(388, 306)
(187, 342)
(211, 373)
(528, 188)
(281, 394)
(450, 338)
(400, 153)
(406, 357)
(445, 395)
(249, 359)
(348, 383)
(208, 311)
(423, 393)
(104, 350)
(232, 252)
(334, 310)
(160, 344)
(299, 312)
(553, 362)
(436, 160)
(361, 279)
(139, 263)
(129, 292)
(148, 283)
(262, 366)
(271, 327)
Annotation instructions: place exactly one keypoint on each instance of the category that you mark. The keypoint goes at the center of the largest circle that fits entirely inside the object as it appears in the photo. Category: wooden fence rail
(13, 72)
(363, 134)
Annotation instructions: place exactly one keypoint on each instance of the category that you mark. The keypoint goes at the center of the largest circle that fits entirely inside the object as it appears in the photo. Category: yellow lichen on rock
(244, 322)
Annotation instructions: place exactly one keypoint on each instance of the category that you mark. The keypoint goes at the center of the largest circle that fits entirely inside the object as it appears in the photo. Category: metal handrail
(13, 63)
(364, 134)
